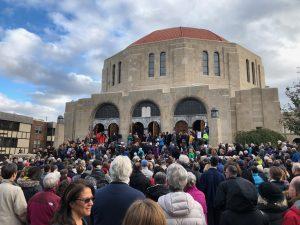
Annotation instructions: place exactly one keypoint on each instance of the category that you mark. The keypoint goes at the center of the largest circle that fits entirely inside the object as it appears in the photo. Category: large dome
(178, 32)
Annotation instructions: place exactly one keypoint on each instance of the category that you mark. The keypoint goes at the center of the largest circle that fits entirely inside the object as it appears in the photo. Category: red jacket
(42, 206)
(292, 216)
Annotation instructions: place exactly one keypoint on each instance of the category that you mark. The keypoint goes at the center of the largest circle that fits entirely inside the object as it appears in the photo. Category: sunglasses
(86, 200)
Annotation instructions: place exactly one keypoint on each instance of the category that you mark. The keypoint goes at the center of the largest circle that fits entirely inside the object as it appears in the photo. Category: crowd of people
(174, 178)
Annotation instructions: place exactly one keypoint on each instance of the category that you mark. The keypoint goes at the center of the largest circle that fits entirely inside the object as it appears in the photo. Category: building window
(9, 125)
(151, 65)
(8, 142)
(119, 72)
(113, 74)
(248, 70)
(217, 64)
(205, 63)
(38, 130)
(162, 64)
(253, 72)
(36, 143)
(50, 131)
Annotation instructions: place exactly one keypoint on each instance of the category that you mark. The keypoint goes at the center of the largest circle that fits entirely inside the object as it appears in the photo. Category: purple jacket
(199, 197)
(41, 207)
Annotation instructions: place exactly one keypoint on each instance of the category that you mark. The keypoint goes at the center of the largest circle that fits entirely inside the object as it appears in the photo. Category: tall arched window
(119, 71)
(248, 70)
(205, 63)
(253, 72)
(217, 64)
(151, 65)
(162, 64)
(113, 74)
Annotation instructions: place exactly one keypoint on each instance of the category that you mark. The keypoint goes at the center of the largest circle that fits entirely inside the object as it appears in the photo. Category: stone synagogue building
(178, 79)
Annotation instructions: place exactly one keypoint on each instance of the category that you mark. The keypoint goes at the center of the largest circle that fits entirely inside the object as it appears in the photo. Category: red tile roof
(178, 32)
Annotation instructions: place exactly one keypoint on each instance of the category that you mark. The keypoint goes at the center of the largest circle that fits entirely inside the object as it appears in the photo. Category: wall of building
(184, 66)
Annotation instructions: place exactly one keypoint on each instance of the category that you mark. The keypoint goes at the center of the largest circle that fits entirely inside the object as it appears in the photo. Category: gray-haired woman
(180, 207)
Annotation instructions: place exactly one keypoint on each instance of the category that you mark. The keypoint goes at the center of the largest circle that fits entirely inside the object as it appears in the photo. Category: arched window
(205, 63)
(248, 70)
(253, 72)
(146, 105)
(189, 106)
(107, 110)
(162, 64)
(113, 74)
(151, 65)
(119, 71)
(217, 64)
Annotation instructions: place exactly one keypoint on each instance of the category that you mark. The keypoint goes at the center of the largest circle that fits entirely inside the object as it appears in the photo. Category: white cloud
(27, 108)
(70, 67)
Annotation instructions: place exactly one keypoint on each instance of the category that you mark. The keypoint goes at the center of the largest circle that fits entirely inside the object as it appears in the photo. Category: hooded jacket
(29, 187)
(241, 207)
(181, 208)
(154, 192)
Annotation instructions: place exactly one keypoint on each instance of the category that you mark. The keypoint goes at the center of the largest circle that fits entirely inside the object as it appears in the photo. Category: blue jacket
(112, 202)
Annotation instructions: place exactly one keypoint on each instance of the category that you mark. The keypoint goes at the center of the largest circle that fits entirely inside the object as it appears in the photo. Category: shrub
(259, 136)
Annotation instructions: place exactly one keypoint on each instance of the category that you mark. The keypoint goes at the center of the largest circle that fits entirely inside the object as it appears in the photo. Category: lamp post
(214, 113)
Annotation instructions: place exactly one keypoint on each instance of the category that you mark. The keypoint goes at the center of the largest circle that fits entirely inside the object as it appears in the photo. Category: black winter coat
(156, 191)
(274, 212)
(139, 181)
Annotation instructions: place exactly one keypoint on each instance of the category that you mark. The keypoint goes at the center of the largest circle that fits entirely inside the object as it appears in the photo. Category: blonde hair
(144, 212)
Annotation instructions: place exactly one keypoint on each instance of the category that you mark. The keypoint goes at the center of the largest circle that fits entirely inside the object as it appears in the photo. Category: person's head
(176, 177)
(191, 180)
(296, 168)
(214, 161)
(144, 212)
(79, 169)
(96, 163)
(270, 193)
(54, 168)
(144, 163)
(34, 173)
(9, 171)
(136, 167)
(77, 200)
(50, 181)
(160, 178)
(120, 169)
(276, 173)
(231, 171)
(183, 160)
(47, 168)
(294, 188)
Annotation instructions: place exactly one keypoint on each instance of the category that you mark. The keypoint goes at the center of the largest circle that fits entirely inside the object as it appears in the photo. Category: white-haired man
(113, 200)
(43, 205)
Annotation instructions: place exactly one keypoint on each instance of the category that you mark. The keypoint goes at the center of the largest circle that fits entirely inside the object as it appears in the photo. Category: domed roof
(60, 117)
(178, 32)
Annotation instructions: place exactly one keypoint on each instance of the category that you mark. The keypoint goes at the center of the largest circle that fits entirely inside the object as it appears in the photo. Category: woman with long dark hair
(76, 203)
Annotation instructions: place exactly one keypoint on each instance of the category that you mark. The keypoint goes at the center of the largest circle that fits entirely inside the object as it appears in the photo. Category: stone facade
(243, 100)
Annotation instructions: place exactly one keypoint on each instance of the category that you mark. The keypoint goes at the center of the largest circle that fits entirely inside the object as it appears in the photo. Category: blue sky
(53, 51)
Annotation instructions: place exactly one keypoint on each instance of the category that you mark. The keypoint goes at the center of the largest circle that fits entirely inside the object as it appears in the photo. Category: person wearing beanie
(272, 202)
(145, 170)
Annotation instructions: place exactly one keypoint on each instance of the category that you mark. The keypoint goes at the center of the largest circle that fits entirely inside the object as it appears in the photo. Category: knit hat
(144, 163)
(270, 192)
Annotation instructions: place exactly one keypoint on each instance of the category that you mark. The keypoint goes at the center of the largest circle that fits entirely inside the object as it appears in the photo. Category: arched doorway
(113, 128)
(193, 112)
(107, 114)
(143, 113)
(99, 128)
(199, 125)
(154, 128)
(181, 127)
(138, 128)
